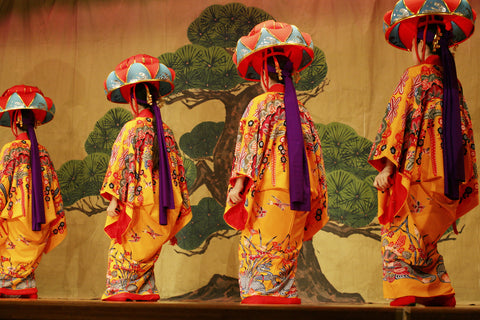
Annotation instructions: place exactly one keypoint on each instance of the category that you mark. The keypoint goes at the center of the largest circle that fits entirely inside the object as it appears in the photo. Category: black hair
(282, 60)
(141, 95)
(26, 114)
(433, 27)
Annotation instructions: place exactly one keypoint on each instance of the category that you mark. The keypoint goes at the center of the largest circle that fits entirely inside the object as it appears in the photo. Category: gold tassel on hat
(436, 39)
(149, 95)
(277, 69)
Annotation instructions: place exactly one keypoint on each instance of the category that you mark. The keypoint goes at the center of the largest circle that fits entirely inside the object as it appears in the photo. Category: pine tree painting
(205, 72)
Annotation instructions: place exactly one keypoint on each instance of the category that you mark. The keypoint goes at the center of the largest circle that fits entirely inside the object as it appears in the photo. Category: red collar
(23, 136)
(277, 87)
(433, 59)
(146, 113)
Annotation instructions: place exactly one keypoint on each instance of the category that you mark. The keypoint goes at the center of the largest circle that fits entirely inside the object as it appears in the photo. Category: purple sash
(297, 159)
(166, 200)
(165, 180)
(452, 137)
(38, 207)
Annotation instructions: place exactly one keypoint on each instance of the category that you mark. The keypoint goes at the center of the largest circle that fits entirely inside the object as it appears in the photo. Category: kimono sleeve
(117, 178)
(246, 148)
(120, 183)
(390, 137)
(244, 164)
(389, 144)
(6, 170)
(54, 212)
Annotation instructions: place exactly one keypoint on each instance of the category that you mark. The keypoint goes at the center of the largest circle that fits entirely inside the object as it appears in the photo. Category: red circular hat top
(136, 69)
(400, 24)
(252, 49)
(25, 97)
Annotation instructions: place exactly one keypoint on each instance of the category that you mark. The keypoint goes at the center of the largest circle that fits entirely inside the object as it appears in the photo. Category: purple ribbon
(38, 206)
(166, 200)
(452, 137)
(453, 149)
(299, 180)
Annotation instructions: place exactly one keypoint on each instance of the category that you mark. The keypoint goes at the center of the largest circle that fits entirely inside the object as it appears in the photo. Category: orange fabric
(272, 233)
(410, 137)
(269, 246)
(412, 265)
(21, 249)
(415, 212)
(261, 156)
(137, 236)
(129, 178)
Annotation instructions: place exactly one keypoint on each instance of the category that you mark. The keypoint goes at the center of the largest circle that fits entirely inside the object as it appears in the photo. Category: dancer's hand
(112, 208)
(235, 194)
(382, 181)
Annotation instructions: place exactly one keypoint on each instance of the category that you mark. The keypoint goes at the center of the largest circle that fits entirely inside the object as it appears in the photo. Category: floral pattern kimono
(414, 211)
(272, 233)
(137, 236)
(21, 248)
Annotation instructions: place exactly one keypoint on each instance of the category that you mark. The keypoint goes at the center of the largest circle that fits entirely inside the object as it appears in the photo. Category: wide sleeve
(120, 181)
(318, 215)
(54, 211)
(392, 133)
(246, 148)
(395, 142)
(468, 189)
(117, 177)
(244, 164)
(6, 170)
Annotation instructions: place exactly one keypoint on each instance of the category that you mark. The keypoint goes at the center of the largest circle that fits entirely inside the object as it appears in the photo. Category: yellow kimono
(415, 211)
(272, 233)
(21, 248)
(137, 236)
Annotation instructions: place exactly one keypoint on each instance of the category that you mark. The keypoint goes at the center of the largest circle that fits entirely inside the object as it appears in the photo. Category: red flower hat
(135, 69)
(251, 49)
(25, 97)
(400, 24)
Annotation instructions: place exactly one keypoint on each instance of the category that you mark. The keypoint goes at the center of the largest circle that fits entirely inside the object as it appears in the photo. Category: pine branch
(344, 231)
(89, 205)
(222, 234)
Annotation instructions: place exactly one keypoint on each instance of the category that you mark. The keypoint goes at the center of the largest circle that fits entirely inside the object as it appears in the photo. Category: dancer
(145, 181)
(425, 152)
(277, 194)
(32, 220)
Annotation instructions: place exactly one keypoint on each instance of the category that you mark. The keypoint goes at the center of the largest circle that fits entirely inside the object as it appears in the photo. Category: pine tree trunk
(312, 284)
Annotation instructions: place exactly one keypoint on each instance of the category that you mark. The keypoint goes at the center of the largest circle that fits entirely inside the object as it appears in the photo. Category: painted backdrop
(67, 48)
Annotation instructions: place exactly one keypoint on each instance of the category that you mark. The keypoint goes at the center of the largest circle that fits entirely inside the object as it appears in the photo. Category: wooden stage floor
(94, 309)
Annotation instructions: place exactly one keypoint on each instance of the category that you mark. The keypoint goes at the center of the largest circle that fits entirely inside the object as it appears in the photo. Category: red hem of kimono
(31, 292)
(270, 300)
(118, 228)
(124, 296)
(439, 301)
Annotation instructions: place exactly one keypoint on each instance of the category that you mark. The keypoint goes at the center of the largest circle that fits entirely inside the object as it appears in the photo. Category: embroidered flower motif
(401, 84)
(392, 108)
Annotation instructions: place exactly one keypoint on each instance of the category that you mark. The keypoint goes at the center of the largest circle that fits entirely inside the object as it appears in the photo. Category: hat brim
(122, 93)
(42, 107)
(401, 33)
(251, 64)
